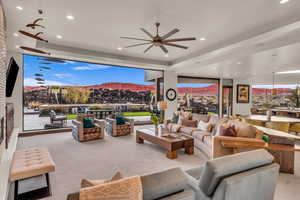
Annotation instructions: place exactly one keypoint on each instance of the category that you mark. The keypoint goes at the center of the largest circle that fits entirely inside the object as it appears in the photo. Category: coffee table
(169, 142)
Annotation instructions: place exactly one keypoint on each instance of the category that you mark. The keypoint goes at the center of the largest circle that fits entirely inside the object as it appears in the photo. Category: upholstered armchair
(119, 130)
(85, 134)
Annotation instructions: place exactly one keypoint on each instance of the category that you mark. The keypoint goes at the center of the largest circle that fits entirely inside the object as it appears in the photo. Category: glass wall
(281, 96)
(65, 88)
(198, 95)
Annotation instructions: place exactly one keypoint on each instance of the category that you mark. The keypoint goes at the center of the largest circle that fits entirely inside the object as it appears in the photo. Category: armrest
(100, 122)
(111, 121)
(218, 149)
(77, 123)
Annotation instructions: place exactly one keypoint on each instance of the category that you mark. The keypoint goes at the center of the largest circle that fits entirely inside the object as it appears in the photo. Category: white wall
(170, 81)
(241, 108)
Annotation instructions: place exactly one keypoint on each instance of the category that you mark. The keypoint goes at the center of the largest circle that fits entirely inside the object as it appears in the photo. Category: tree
(77, 95)
(294, 98)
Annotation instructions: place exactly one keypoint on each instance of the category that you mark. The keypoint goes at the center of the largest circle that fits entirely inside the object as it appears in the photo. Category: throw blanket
(124, 189)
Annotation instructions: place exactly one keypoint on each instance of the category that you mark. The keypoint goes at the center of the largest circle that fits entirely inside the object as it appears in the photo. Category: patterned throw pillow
(227, 130)
(89, 183)
(88, 122)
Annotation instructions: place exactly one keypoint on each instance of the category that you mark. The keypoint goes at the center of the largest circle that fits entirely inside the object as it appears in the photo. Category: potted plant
(155, 119)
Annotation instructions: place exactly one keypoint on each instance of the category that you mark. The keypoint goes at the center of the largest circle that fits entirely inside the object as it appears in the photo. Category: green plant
(155, 119)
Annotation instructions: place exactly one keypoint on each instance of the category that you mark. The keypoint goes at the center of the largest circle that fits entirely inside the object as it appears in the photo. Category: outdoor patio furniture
(119, 130)
(54, 117)
(85, 134)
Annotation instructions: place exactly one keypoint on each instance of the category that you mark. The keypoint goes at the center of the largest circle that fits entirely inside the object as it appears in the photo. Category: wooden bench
(30, 163)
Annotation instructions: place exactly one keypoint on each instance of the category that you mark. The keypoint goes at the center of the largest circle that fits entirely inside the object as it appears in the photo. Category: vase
(269, 115)
(156, 130)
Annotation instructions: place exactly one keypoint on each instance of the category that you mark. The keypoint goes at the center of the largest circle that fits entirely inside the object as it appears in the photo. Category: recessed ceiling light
(120, 48)
(70, 17)
(19, 8)
(202, 39)
(284, 1)
(239, 63)
(17, 46)
(16, 34)
(59, 36)
(289, 72)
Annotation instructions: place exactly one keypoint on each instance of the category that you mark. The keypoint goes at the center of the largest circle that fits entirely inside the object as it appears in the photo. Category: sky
(82, 73)
(79, 73)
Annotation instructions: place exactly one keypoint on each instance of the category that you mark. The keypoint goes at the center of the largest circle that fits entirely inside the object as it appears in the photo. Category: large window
(264, 96)
(68, 88)
(198, 95)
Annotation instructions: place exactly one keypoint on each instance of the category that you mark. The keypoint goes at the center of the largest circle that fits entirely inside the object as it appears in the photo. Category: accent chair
(82, 134)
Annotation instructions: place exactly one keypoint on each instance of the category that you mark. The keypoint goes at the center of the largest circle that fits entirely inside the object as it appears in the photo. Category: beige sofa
(210, 144)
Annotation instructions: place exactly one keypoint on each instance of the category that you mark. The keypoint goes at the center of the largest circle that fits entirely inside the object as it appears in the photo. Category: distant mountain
(208, 90)
(261, 91)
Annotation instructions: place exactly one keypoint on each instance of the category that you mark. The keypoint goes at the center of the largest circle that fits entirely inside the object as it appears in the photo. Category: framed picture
(243, 92)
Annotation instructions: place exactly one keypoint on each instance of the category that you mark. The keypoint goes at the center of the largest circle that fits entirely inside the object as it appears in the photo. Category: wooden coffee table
(170, 143)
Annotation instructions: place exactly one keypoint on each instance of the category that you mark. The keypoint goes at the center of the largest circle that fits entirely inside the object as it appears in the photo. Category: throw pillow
(120, 120)
(89, 183)
(175, 128)
(189, 123)
(88, 122)
(202, 125)
(227, 130)
(187, 115)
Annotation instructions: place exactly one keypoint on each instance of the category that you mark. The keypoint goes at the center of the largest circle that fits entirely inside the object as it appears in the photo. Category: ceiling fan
(159, 41)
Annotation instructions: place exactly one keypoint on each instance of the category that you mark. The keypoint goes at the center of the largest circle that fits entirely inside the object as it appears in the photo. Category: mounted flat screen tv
(11, 76)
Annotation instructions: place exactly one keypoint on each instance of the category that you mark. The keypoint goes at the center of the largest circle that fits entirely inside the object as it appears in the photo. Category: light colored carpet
(100, 159)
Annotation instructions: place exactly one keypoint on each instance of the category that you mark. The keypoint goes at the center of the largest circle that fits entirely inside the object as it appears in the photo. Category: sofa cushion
(187, 130)
(88, 122)
(173, 128)
(189, 123)
(243, 129)
(89, 183)
(195, 172)
(199, 117)
(215, 170)
(120, 120)
(163, 183)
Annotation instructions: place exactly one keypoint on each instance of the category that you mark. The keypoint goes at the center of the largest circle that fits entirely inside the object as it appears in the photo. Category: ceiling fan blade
(149, 48)
(170, 33)
(164, 48)
(147, 33)
(180, 39)
(137, 45)
(131, 38)
(176, 45)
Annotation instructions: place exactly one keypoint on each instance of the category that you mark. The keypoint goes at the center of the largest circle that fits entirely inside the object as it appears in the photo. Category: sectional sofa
(209, 142)
(248, 175)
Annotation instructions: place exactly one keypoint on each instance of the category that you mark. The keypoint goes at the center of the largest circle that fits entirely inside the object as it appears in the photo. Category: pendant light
(274, 90)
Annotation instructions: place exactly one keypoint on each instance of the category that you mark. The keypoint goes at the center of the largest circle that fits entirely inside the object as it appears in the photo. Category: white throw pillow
(202, 125)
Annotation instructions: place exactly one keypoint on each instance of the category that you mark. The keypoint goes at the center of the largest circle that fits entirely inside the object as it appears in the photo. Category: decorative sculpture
(35, 24)
(36, 36)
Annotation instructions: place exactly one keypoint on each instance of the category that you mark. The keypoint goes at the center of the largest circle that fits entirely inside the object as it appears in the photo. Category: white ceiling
(236, 31)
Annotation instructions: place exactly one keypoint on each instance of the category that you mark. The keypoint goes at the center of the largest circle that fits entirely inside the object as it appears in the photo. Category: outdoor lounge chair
(85, 134)
(119, 130)
(54, 117)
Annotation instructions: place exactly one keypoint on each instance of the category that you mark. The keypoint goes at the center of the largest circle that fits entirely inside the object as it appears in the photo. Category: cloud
(90, 67)
(62, 75)
(33, 82)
